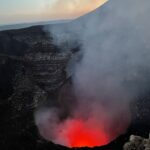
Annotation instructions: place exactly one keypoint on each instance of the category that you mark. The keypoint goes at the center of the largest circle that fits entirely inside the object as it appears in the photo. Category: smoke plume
(112, 72)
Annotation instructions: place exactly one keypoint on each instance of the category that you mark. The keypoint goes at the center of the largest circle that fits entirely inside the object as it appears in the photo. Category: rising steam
(115, 49)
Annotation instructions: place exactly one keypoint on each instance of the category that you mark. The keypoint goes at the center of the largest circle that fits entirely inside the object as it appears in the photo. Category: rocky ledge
(137, 143)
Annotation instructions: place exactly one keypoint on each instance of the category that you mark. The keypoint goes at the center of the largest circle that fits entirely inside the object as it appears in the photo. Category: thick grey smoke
(115, 45)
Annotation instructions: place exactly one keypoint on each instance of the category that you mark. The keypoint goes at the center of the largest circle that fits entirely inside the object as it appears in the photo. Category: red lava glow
(80, 134)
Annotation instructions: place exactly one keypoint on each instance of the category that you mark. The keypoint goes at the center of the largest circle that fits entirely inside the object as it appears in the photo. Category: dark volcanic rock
(16, 42)
(27, 81)
(47, 66)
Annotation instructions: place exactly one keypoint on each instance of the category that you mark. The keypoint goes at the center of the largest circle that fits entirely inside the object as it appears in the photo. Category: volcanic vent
(106, 75)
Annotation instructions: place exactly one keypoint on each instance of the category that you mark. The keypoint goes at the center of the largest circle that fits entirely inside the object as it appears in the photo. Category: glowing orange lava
(82, 134)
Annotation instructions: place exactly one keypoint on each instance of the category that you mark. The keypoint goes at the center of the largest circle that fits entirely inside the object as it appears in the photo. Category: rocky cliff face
(47, 67)
(28, 81)
(31, 70)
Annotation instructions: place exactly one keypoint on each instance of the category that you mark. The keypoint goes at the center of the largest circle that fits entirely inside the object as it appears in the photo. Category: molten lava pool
(78, 133)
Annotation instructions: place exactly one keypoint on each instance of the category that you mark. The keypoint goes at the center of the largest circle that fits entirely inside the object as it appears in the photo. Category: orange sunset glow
(17, 11)
(72, 9)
